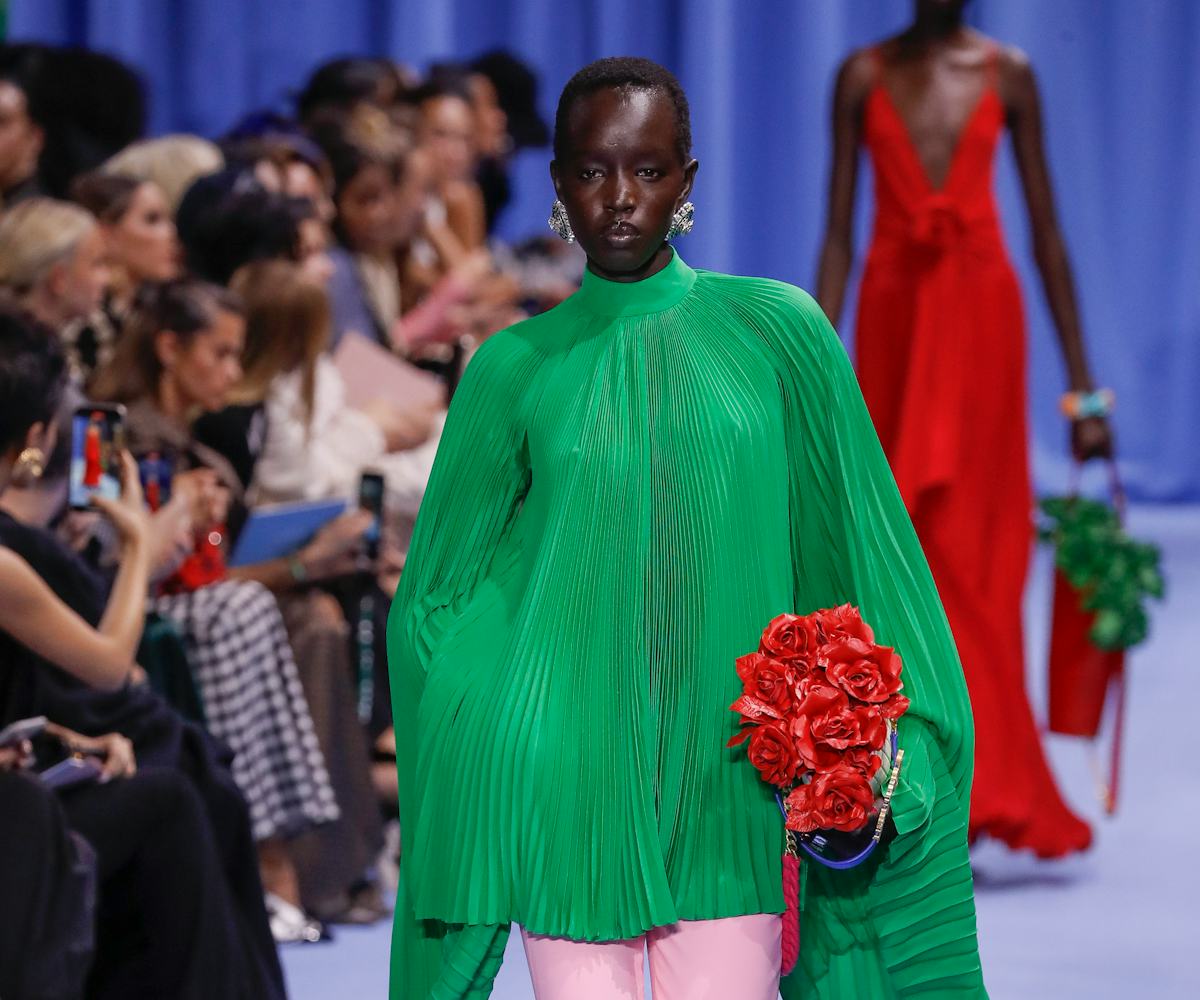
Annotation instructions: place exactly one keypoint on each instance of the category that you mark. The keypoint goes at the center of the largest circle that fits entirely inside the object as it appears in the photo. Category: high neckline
(634, 298)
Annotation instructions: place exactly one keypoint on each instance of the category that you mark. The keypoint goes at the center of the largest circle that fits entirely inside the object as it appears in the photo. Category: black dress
(163, 741)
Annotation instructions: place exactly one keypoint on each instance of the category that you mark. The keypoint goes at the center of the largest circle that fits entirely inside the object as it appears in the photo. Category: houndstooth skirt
(253, 701)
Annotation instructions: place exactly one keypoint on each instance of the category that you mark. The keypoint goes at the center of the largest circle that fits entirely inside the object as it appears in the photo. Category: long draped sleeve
(479, 479)
(852, 541)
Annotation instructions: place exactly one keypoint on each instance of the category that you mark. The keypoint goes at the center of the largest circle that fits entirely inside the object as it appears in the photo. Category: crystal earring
(682, 221)
(30, 465)
(559, 222)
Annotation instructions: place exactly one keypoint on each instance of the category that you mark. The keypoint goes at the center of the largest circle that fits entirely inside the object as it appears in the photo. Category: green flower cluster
(1114, 574)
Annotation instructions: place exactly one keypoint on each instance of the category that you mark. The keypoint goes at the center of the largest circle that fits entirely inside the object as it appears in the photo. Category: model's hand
(1091, 437)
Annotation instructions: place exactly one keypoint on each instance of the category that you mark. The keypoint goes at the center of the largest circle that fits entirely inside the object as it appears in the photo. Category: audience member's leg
(717, 959)
(562, 969)
(46, 896)
(332, 858)
(166, 927)
(229, 818)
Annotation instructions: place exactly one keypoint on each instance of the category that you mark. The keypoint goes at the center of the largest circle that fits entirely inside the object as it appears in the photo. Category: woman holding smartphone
(168, 924)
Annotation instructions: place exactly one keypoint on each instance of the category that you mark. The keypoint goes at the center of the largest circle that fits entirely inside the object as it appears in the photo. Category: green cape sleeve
(478, 481)
(905, 924)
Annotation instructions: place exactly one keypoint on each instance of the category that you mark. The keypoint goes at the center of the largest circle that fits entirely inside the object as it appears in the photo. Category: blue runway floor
(1116, 924)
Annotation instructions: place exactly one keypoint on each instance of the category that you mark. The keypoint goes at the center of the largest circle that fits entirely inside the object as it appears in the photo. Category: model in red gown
(941, 359)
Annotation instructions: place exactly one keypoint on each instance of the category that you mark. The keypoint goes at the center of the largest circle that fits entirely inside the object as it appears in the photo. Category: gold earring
(31, 463)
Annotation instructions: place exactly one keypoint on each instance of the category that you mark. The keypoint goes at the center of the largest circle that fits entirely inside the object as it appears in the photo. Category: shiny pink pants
(735, 958)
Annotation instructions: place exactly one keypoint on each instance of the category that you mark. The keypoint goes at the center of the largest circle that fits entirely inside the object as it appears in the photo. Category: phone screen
(156, 471)
(370, 498)
(97, 437)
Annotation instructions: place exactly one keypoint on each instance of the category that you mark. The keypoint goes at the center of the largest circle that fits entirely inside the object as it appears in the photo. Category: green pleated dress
(629, 487)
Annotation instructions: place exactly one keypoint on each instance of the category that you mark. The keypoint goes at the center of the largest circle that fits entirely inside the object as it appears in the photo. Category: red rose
(767, 680)
(773, 753)
(894, 707)
(863, 670)
(863, 761)
(791, 637)
(843, 622)
(840, 799)
(802, 813)
(819, 716)
(872, 727)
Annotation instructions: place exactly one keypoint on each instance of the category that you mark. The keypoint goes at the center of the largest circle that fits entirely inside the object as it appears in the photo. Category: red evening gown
(941, 360)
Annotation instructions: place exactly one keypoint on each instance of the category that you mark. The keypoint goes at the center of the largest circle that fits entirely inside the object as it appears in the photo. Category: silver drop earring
(559, 222)
(682, 221)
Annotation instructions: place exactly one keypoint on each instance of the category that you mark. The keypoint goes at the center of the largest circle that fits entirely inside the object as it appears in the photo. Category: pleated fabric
(628, 488)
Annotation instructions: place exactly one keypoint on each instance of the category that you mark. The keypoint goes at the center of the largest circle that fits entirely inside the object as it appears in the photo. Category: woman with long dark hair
(629, 487)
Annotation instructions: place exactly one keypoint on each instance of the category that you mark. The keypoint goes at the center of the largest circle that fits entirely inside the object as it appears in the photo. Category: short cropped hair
(620, 73)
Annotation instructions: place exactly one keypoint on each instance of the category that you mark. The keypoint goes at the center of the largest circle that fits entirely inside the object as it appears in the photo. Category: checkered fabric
(253, 701)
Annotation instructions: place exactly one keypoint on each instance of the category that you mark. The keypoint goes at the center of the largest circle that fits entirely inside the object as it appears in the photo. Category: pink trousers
(735, 958)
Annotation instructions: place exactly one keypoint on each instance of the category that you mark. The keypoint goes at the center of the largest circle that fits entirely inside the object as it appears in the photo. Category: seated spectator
(21, 124)
(47, 882)
(339, 87)
(317, 443)
(447, 130)
(140, 244)
(229, 219)
(198, 932)
(180, 357)
(52, 260)
(173, 162)
(298, 166)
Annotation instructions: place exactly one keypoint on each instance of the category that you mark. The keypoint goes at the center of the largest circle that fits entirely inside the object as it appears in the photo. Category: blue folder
(277, 530)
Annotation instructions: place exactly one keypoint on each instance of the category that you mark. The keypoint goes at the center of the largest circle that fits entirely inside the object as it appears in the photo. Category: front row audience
(223, 718)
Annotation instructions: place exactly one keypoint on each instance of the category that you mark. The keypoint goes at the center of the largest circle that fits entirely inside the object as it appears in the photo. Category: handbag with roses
(819, 705)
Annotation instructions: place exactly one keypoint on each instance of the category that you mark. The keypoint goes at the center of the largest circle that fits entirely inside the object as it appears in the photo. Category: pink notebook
(370, 372)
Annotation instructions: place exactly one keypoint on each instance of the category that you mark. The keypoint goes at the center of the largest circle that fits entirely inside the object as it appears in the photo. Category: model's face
(621, 179)
(367, 210)
(20, 138)
(208, 366)
(143, 240)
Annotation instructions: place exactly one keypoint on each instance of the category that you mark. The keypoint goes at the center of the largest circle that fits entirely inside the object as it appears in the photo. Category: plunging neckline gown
(941, 360)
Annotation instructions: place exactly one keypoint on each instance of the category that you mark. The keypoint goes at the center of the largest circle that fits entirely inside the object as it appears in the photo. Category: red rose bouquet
(819, 705)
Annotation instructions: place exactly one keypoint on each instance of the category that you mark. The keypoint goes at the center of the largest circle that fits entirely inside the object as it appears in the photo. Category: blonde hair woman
(173, 162)
(52, 259)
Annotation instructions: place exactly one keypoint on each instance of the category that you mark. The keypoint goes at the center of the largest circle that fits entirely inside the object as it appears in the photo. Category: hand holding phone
(128, 511)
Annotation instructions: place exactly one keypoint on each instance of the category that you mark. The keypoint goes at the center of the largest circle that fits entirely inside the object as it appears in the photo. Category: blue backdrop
(1120, 83)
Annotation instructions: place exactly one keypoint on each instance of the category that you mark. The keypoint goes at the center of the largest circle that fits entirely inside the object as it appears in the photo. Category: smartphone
(23, 729)
(156, 470)
(71, 771)
(97, 439)
(370, 498)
